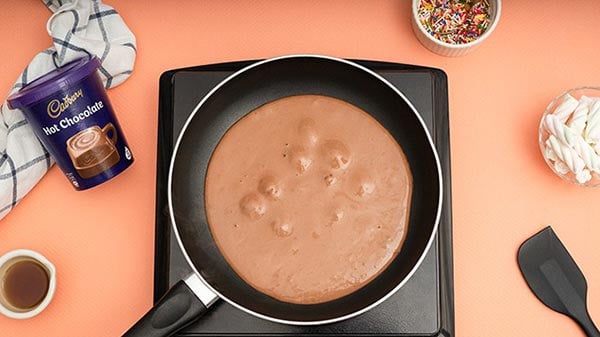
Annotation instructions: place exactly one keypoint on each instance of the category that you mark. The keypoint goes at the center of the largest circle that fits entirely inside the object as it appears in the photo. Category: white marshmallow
(565, 108)
(579, 118)
(592, 129)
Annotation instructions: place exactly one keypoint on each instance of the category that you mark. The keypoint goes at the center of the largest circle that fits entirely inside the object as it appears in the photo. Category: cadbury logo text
(56, 107)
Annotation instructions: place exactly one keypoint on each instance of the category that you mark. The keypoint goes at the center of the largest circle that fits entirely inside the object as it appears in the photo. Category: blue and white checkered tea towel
(77, 28)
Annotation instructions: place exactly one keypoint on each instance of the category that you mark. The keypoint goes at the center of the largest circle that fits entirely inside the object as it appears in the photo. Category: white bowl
(13, 256)
(448, 49)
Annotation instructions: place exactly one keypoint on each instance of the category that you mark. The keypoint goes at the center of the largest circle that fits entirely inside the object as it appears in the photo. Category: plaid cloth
(78, 28)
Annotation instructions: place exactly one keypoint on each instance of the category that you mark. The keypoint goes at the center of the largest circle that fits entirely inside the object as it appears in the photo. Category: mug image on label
(92, 151)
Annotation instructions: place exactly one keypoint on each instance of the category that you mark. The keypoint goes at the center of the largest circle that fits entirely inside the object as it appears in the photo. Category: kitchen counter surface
(102, 240)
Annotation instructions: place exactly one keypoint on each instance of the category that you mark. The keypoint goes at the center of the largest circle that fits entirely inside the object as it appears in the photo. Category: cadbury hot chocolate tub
(71, 115)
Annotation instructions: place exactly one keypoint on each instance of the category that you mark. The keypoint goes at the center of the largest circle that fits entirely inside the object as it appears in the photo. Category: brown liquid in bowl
(25, 284)
(308, 198)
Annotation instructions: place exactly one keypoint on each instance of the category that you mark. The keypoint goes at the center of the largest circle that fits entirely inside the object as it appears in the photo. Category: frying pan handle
(179, 307)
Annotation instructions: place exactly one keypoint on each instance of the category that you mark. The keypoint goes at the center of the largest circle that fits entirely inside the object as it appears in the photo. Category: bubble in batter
(270, 187)
(330, 179)
(253, 205)
(337, 154)
(336, 216)
(364, 184)
(300, 158)
(366, 188)
(282, 228)
(308, 131)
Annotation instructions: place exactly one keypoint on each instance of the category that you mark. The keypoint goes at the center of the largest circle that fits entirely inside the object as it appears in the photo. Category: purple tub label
(80, 130)
(71, 115)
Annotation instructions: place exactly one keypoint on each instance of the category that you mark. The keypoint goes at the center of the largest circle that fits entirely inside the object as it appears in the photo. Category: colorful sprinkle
(455, 21)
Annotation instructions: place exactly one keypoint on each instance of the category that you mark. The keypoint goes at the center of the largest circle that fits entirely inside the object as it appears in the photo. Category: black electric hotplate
(424, 306)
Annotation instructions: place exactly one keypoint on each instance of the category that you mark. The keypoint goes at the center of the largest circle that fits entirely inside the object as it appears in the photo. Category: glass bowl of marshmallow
(569, 136)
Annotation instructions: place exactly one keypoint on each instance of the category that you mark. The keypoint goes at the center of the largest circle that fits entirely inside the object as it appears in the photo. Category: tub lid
(57, 79)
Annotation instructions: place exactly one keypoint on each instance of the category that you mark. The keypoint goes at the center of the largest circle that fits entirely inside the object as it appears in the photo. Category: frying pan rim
(339, 318)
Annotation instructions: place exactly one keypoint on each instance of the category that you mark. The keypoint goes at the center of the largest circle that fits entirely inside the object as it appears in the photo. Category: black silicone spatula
(555, 278)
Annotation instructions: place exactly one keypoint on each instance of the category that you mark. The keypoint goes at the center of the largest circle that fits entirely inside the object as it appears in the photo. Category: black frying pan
(231, 100)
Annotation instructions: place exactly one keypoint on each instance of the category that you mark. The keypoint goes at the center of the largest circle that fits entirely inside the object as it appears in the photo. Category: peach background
(102, 240)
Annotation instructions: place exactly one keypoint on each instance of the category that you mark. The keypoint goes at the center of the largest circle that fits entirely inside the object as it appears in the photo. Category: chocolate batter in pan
(307, 197)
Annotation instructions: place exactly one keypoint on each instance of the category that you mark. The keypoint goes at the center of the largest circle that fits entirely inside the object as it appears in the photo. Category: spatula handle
(573, 302)
(588, 326)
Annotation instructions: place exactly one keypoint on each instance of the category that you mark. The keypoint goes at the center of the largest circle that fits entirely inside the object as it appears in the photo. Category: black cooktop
(424, 306)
